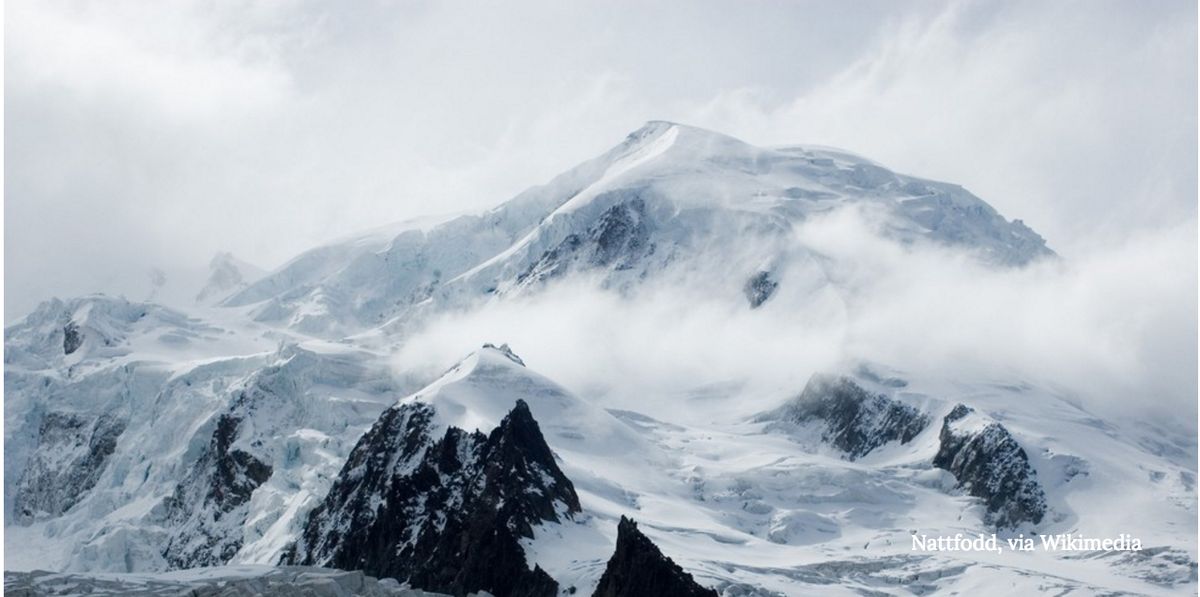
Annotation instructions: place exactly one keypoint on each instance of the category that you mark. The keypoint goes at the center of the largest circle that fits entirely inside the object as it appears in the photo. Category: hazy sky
(151, 134)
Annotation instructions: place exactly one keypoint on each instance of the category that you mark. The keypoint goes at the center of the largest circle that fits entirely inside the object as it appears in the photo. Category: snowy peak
(669, 201)
(478, 392)
(503, 349)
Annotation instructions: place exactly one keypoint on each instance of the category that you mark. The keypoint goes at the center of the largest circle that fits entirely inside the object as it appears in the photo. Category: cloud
(1109, 331)
(1079, 118)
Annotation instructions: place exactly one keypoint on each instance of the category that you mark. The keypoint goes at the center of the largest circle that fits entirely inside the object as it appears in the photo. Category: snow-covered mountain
(669, 200)
(283, 425)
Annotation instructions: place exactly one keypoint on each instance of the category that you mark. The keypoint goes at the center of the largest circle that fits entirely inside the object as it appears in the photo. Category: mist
(1115, 332)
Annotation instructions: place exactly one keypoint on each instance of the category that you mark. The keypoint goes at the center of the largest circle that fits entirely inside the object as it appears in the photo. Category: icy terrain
(143, 438)
(228, 581)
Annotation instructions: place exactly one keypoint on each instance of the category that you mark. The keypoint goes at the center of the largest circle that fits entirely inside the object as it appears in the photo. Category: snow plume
(1115, 331)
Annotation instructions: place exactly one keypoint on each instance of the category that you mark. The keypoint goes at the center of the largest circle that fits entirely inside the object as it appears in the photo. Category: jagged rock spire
(443, 515)
(638, 568)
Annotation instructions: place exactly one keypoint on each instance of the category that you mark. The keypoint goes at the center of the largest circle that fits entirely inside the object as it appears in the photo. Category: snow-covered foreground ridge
(283, 423)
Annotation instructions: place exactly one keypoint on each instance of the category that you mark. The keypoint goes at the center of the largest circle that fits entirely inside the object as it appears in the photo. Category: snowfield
(142, 439)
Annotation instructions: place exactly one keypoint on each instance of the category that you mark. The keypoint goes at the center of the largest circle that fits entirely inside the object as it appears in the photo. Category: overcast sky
(152, 134)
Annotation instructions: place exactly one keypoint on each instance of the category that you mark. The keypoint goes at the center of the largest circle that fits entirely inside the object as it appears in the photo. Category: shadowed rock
(639, 569)
(989, 464)
(72, 452)
(618, 239)
(444, 515)
(209, 506)
(855, 420)
(759, 288)
(72, 337)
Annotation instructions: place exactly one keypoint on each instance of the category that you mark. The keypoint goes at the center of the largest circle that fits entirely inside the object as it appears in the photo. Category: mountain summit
(668, 200)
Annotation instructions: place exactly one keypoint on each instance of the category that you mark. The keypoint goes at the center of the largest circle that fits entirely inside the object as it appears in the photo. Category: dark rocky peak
(519, 461)
(507, 352)
(989, 463)
(443, 512)
(855, 421)
(638, 568)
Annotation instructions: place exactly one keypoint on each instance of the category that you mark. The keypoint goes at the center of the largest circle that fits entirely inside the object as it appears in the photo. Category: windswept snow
(702, 194)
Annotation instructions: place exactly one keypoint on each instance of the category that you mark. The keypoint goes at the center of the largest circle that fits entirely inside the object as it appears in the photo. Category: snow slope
(669, 197)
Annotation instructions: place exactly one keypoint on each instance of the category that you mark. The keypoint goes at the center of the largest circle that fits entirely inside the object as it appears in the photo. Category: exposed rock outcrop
(989, 464)
(618, 239)
(638, 568)
(72, 451)
(759, 288)
(855, 421)
(72, 337)
(443, 514)
(209, 505)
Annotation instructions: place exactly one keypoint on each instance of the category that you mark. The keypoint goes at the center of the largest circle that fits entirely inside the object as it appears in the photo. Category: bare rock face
(855, 420)
(759, 288)
(618, 239)
(443, 514)
(989, 464)
(208, 507)
(72, 337)
(638, 569)
(72, 451)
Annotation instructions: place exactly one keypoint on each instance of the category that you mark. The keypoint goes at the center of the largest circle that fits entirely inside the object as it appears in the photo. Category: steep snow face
(670, 198)
(75, 373)
(139, 452)
(477, 393)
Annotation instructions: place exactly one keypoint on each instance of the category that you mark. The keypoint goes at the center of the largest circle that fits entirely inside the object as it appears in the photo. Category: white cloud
(1079, 118)
(1115, 331)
